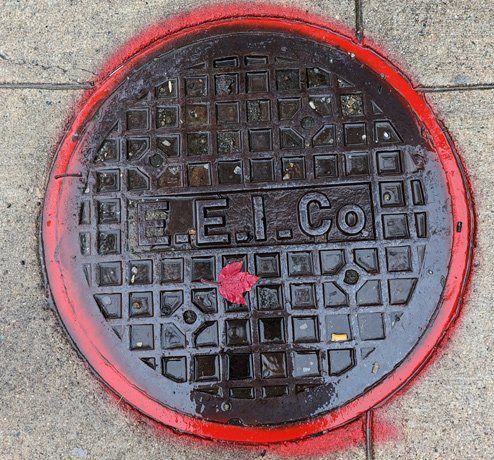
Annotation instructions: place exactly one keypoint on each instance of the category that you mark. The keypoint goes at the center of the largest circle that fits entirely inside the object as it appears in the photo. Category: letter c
(304, 213)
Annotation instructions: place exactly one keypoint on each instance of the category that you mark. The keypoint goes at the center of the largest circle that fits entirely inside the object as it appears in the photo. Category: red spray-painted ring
(53, 218)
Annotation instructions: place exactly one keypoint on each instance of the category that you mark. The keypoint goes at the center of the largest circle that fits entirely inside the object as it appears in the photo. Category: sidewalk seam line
(47, 86)
(448, 88)
(359, 20)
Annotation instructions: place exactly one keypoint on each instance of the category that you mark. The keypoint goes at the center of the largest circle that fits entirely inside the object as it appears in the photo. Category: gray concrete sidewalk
(51, 406)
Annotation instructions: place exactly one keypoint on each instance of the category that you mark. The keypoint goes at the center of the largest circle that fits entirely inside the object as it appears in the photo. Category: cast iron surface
(292, 157)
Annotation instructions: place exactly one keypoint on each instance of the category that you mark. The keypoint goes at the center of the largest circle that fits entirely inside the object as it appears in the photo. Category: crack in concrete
(36, 64)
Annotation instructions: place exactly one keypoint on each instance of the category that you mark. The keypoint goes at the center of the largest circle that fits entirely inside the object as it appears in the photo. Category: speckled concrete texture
(51, 406)
(67, 41)
(441, 42)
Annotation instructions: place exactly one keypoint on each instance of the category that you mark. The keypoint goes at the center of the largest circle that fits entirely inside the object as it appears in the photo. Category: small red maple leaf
(233, 283)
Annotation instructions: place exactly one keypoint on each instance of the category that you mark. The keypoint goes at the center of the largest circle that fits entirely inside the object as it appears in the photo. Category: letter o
(351, 219)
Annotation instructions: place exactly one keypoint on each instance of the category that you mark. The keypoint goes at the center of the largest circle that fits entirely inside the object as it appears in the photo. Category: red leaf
(233, 283)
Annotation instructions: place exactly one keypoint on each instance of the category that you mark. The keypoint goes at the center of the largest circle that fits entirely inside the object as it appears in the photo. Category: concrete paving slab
(437, 42)
(51, 406)
(449, 412)
(61, 41)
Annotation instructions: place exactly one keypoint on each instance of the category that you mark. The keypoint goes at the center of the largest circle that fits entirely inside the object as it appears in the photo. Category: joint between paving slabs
(449, 88)
(48, 86)
(359, 20)
(369, 435)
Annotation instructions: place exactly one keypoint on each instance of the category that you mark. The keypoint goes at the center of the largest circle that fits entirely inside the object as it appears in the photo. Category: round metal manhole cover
(294, 152)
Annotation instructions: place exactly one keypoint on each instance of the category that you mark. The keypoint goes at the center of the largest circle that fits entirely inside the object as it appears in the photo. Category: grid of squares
(240, 125)
(332, 325)
(248, 123)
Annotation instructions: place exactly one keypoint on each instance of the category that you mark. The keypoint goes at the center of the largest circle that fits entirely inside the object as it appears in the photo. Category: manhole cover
(288, 152)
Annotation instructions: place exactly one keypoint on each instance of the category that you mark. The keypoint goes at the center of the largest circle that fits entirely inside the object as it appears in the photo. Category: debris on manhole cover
(252, 226)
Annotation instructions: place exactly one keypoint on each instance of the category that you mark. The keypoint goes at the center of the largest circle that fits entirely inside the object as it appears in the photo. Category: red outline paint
(63, 289)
